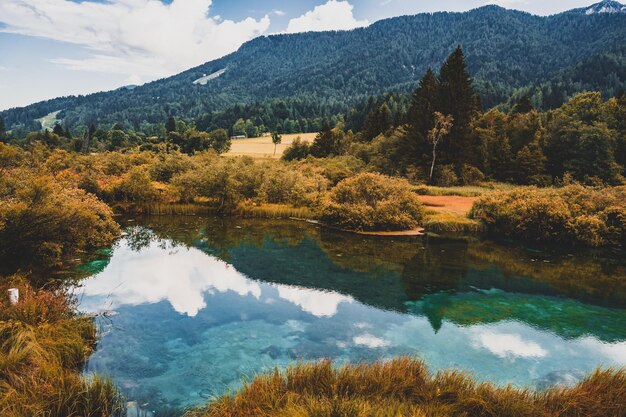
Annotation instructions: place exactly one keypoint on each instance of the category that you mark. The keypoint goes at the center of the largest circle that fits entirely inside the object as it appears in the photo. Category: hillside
(326, 72)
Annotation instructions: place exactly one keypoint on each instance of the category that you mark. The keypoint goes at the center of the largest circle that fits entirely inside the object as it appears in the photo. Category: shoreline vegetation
(404, 387)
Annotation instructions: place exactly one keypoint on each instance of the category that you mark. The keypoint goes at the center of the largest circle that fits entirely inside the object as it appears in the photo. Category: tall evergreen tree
(420, 117)
(524, 105)
(58, 129)
(457, 98)
(170, 125)
(424, 103)
(2, 128)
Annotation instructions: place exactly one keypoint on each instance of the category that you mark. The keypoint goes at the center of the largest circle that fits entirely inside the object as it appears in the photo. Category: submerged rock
(562, 378)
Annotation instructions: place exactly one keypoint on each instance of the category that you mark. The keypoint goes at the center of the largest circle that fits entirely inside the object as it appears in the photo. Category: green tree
(458, 99)
(2, 128)
(170, 125)
(524, 105)
(378, 120)
(58, 129)
(298, 149)
(530, 164)
(424, 103)
(220, 141)
(239, 128)
(117, 139)
(276, 140)
(579, 141)
(329, 142)
(421, 119)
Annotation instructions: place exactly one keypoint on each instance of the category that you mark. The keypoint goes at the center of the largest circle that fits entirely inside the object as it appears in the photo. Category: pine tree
(58, 129)
(170, 125)
(420, 117)
(457, 98)
(524, 105)
(529, 163)
(385, 119)
(2, 128)
(424, 103)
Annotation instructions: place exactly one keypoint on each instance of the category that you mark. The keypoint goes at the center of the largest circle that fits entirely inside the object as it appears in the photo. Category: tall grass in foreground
(403, 387)
(43, 346)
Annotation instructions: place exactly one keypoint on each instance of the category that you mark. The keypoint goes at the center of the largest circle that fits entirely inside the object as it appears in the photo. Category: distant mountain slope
(606, 6)
(506, 50)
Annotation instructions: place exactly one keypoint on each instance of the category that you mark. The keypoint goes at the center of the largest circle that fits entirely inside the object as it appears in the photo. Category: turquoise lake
(190, 308)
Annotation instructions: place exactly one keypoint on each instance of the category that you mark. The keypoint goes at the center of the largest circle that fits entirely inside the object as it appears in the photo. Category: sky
(52, 48)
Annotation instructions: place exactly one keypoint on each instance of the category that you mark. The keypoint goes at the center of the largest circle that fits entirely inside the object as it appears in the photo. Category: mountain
(316, 75)
(606, 6)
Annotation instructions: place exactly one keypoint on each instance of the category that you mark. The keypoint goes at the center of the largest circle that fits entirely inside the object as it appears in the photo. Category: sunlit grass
(463, 191)
(442, 222)
(404, 387)
(43, 346)
(274, 211)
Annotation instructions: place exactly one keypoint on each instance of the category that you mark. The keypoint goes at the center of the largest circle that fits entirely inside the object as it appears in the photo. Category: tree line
(584, 139)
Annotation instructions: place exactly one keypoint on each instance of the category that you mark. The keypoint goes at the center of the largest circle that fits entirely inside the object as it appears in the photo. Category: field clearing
(263, 148)
(49, 120)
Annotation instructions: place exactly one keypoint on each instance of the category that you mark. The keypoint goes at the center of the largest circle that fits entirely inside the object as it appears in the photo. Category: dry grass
(446, 222)
(42, 348)
(463, 191)
(263, 148)
(404, 387)
(274, 211)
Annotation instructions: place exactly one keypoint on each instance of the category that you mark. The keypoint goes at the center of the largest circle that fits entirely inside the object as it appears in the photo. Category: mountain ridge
(507, 50)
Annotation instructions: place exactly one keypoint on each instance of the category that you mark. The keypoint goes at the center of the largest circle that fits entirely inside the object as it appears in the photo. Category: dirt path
(448, 204)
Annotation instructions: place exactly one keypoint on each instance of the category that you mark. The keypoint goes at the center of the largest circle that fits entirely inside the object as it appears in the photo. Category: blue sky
(50, 48)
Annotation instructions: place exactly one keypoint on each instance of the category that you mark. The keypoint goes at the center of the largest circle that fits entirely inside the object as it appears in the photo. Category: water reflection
(202, 304)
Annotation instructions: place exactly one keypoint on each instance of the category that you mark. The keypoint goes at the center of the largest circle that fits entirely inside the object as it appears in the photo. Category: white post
(14, 295)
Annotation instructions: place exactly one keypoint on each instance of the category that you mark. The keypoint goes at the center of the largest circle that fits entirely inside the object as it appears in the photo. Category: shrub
(372, 202)
(298, 149)
(570, 215)
(44, 222)
(335, 169)
(470, 175)
(135, 186)
(166, 166)
(444, 176)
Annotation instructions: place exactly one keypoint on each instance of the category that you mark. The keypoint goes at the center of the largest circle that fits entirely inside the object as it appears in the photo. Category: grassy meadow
(263, 148)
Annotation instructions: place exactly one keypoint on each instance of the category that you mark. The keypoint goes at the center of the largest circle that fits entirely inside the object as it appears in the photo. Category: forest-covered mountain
(317, 75)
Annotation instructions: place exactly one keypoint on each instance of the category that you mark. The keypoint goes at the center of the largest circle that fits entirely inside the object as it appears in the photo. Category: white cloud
(179, 275)
(506, 345)
(278, 12)
(137, 38)
(318, 303)
(370, 341)
(334, 15)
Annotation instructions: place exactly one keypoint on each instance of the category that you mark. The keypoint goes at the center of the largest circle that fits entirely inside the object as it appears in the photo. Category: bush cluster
(43, 221)
(573, 214)
(369, 202)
